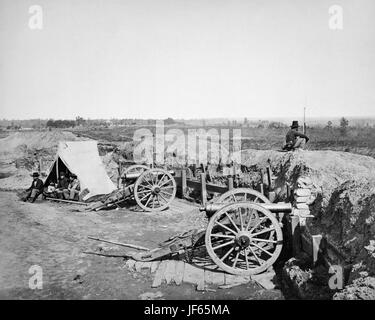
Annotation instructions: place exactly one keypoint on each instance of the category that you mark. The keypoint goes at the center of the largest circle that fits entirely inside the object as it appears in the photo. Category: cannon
(153, 189)
(243, 236)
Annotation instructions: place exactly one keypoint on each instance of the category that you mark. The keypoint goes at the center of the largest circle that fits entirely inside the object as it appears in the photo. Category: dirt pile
(344, 207)
(24, 152)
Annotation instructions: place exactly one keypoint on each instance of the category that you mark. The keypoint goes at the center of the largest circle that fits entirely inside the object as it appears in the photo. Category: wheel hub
(242, 240)
(155, 190)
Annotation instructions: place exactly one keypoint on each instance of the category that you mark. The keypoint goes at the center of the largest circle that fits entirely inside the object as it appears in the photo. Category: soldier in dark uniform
(294, 138)
(62, 185)
(35, 189)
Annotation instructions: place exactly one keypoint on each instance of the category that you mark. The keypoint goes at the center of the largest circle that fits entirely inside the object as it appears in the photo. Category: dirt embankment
(344, 207)
(23, 152)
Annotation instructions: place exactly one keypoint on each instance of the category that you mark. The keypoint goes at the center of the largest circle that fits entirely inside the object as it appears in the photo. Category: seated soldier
(50, 191)
(35, 189)
(72, 193)
(294, 139)
(62, 185)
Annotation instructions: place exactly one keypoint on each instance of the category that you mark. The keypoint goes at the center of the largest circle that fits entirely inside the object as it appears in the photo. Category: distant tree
(80, 121)
(344, 123)
(329, 125)
(169, 121)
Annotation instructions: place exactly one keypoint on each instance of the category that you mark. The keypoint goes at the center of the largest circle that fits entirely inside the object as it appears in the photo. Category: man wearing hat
(62, 185)
(35, 189)
(294, 138)
(72, 193)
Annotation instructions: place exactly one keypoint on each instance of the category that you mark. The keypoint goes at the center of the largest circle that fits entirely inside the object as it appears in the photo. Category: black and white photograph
(204, 151)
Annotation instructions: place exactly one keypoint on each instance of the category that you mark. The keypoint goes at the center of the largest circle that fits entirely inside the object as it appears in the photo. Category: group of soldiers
(67, 188)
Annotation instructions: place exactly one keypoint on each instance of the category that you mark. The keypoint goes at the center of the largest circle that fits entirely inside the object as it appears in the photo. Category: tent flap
(82, 158)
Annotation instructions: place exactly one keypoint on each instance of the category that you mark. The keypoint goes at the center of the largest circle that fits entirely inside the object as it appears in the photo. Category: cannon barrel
(136, 175)
(211, 208)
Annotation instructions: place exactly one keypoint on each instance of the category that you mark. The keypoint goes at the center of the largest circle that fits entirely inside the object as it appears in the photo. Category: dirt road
(54, 237)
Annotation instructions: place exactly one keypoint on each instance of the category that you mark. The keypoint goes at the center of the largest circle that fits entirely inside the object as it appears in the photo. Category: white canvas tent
(82, 158)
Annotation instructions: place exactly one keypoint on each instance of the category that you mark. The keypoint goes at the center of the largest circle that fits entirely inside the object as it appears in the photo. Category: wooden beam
(67, 201)
(296, 235)
(203, 189)
(230, 183)
(316, 247)
(183, 183)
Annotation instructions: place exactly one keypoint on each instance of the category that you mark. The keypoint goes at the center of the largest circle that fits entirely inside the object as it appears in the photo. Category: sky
(186, 59)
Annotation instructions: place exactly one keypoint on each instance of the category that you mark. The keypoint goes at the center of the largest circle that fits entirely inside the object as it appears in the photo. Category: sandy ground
(54, 236)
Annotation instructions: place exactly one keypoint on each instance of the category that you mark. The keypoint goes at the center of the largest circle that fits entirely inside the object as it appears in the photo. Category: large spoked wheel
(243, 238)
(242, 195)
(154, 190)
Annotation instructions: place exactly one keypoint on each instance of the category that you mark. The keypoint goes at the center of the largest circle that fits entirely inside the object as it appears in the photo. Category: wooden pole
(269, 178)
(67, 201)
(230, 183)
(57, 169)
(296, 235)
(204, 189)
(183, 183)
(262, 188)
(316, 247)
(121, 244)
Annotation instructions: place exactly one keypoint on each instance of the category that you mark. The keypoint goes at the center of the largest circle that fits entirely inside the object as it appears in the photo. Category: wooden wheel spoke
(223, 245)
(235, 260)
(227, 254)
(241, 219)
(166, 193)
(250, 219)
(257, 224)
(166, 201)
(168, 181)
(144, 197)
(255, 255)
(264, 250)
(148, 200)
(263, 240)
(161, 180)
(263, 231)
(246, 259)
(225, 227)
(230, 219)
(222, 236)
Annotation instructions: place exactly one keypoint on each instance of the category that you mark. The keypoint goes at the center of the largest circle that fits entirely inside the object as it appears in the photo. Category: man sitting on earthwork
(35, 189)
(72, 193)
(62, 185)
(294, 138)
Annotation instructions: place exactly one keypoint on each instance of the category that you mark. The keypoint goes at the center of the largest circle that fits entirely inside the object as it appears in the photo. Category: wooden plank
(316, 241)
(296, 235)
(67, 201)
(159, 275)
(154, 266)
(183, 183)
(194, 275)
(179, 272)
(230, 183)
(170, 270)
(218, 278)
(203, 189)
(208, 277)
